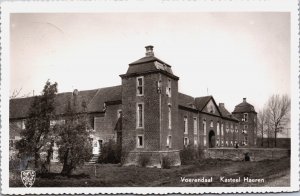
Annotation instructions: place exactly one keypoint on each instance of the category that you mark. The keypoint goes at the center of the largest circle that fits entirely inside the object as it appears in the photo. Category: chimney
(221, 105)
(149, 51)
(244, 100)
(75, 92)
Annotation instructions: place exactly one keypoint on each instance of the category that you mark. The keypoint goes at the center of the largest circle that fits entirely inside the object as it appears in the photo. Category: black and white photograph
(178, 99)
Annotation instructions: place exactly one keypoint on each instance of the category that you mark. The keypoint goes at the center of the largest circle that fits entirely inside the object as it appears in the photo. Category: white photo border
(7, 8)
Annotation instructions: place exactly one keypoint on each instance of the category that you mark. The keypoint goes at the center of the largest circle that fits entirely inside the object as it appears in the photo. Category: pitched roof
(103, 95)
(92, 100)
(224, 111)
(186, 100)
(201, 102)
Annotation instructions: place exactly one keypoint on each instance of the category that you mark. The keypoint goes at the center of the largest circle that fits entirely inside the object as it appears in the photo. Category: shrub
(166, 162)
(144, 160)
(110, 152)
(190, 154)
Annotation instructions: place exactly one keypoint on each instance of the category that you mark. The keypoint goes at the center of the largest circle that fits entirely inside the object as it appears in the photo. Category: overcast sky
(227, 55)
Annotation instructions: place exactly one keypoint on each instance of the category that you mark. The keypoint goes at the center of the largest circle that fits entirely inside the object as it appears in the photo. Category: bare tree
(15, 93)
(262, 118)
(278, 108)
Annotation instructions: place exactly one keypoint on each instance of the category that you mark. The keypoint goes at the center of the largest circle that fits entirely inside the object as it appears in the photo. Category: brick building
(147, 115)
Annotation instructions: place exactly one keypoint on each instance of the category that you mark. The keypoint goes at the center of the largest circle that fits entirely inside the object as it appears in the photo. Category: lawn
(274, 173)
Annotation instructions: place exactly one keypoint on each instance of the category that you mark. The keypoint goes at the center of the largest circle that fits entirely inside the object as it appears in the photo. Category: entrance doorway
(211, 138)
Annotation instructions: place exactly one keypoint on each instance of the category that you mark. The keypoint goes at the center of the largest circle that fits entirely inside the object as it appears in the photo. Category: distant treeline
(281, 143)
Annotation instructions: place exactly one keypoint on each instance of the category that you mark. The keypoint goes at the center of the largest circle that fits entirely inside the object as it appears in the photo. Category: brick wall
(256, 154)
(151, 113)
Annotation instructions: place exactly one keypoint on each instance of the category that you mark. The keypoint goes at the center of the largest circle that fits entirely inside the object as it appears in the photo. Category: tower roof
(149, 64)
(244, 107)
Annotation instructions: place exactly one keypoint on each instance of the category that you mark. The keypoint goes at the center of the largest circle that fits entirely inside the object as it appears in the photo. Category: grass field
(274, 173)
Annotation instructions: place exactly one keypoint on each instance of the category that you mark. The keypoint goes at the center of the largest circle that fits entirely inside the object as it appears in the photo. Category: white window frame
(138, 117)
(187, 141)
(204, 127)
(195, 122)
(168, 88)
(23, 126)
(170, 116)
(222, 129)
(186, 127)
(211, 124)
(138, 141)
(169, 141)
(118, 113)
(245, 117)
(137, 85)
(195, 141)
(218, 128)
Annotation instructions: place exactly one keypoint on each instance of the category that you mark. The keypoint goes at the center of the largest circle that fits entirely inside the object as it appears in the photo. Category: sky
(230, 55)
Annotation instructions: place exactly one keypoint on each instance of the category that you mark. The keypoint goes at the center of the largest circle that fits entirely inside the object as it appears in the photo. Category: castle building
(147, 115)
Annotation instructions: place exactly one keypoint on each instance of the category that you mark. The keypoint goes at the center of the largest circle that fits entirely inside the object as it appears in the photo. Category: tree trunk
(268, 139)
(36, 158)
(275, 137)
(67, 168)
(262, 139)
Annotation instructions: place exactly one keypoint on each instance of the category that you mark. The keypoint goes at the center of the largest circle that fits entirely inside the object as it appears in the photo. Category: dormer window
(140, 86)
(168, 90)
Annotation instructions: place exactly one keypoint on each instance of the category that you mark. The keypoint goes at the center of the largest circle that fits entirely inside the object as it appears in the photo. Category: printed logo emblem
(28, 177)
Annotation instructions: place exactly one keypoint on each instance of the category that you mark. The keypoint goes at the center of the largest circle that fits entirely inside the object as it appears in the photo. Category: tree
(36, 136)
(278, 108)
(74, 147)
(262, 123)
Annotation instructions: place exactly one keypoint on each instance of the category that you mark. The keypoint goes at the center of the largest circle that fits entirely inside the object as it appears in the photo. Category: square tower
(150, 109)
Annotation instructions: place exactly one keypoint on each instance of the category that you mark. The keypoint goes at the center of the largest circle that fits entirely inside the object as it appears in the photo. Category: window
(168, 90)
(140, 86)
(222, 129)
(211, 123)
(218, 128)
(195, 141)
(227, 128)
(140, 141)
(236, 129)
(222, 143)
(195, 126)
(119, 113)
(185, 125)
(23, 124)
(170, 116)
(186, 141)
(204, 141)
(245, 117)
(226, 143)
(169, 141)
(56, 122)
(217, 142)
(140, 115)
(231, 128)
(204, 127)
(231, 143)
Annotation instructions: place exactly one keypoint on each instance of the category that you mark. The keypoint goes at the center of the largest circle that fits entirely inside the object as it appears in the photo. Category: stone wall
(256, 154)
